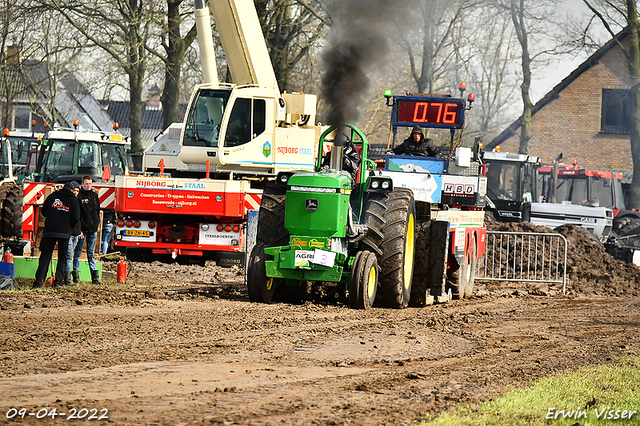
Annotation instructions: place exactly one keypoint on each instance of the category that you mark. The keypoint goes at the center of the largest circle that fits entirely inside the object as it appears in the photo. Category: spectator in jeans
(108, 222)
(76, 234)
(90, 222)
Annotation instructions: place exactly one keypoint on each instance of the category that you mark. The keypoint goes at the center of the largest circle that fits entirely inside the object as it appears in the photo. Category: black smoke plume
(357, 41)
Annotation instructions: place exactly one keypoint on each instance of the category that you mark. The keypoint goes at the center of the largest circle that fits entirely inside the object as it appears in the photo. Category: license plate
(136, 233)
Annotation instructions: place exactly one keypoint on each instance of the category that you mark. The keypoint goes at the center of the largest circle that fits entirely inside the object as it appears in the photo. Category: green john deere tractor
(323, 227)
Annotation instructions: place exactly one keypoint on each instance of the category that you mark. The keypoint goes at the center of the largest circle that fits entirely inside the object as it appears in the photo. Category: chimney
(14, 55)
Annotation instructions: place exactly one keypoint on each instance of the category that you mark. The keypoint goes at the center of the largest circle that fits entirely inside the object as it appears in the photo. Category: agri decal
(266, 149)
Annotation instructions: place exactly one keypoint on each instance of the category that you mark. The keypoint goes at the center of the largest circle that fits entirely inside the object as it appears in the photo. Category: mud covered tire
(461, 279)
(4, 192)
(363, 282)
(455, 283)
(270, 233)
(390, 218)
(12, 212)
(260, 287)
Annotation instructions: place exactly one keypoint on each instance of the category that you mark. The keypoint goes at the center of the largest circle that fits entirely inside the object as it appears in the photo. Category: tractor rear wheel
(270, 233)
(271, 230)
(12, 212)
(390, 219)
(363, 282)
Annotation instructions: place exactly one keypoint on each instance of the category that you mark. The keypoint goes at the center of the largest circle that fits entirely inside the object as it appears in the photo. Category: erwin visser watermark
(603, 414)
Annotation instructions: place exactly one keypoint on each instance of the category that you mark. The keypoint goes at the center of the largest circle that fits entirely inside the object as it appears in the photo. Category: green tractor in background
(323, 227)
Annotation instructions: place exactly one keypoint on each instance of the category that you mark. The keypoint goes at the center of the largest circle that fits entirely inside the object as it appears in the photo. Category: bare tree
(174, 46)
(291, 28)
(490, 64)
(517, 11)
(120, 28)
(540, 43)
(427, 39)
(613, 15)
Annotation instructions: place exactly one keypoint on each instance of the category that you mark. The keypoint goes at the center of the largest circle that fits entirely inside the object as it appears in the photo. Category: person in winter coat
(416, 144)
(61, 211)
(90, 223)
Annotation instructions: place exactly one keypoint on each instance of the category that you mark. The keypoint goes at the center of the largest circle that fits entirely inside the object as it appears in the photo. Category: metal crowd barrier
(524, 256)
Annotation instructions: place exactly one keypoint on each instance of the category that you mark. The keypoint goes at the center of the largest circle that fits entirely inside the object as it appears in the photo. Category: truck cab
(580, 186)
(511, 185)
(67, 154)
(24, 147)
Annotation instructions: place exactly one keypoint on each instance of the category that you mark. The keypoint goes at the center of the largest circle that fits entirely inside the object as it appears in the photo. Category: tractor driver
(350, 158)
(416, 144)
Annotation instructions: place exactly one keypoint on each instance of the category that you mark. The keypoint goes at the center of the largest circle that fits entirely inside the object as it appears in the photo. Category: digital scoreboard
(445, 113)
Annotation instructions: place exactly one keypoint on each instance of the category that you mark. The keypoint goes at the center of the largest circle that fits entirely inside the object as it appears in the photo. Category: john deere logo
(311, 204)
(266, 149)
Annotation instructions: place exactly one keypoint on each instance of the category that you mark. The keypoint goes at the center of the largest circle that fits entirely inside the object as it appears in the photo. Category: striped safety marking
(107, 197)
(27, 217)
(252, 201)
(34, 193)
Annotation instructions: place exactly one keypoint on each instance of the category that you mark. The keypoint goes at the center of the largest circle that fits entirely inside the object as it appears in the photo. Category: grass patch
(588, 396)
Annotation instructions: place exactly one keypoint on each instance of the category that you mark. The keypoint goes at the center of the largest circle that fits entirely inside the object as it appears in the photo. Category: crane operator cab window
(246, 122)
(205, 117)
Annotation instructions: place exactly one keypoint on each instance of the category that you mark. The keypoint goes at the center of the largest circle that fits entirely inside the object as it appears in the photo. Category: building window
(616, 111)
(22, 118)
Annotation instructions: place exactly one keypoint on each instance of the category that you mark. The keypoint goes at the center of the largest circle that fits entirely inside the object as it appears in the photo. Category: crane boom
(243, 43)
(205, 42)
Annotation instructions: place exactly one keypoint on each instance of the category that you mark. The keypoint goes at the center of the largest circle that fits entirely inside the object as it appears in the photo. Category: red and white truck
(177, 216)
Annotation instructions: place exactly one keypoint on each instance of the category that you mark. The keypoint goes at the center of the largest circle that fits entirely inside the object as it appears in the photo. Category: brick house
(586, 116)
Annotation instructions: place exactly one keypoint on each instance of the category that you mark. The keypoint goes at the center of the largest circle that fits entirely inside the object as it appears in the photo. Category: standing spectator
(108, 222)
(76, 233)
(61, 211)
(90, 220)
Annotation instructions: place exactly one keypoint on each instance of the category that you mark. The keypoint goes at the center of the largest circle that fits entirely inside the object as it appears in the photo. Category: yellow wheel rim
(408, 252)
(371, 284)
(269, 283)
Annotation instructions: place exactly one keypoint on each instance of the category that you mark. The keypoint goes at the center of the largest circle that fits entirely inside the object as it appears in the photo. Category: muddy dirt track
(182, 345)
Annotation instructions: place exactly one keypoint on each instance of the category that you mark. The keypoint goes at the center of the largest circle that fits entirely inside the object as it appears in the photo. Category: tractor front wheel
(260, 287)
(363, 283)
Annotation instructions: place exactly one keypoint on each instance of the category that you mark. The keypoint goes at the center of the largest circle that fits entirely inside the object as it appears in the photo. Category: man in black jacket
(416, 144)
(90, 220)
(61, 211)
